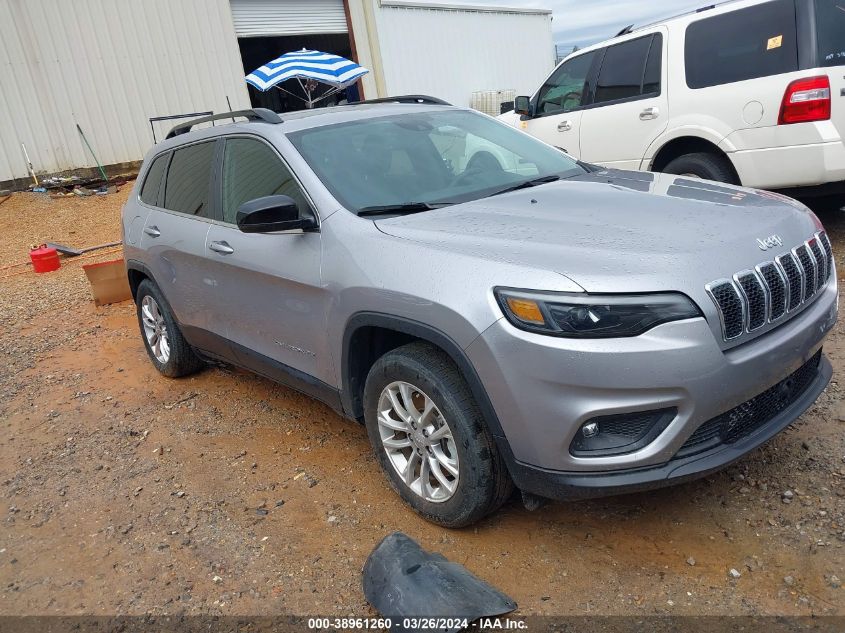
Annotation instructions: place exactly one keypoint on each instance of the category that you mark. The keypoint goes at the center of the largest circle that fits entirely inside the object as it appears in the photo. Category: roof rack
(709, 7)
(421, 99)
(256, 114)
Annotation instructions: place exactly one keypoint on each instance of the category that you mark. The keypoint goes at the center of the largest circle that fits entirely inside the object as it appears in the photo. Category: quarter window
(830, 25)
(565, 89)
(252, 169)
(152, 183)
(759, 41)
(654, 67)
(188, 188)
(629, 71)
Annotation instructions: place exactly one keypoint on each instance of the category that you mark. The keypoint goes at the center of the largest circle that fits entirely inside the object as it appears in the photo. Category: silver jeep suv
(496, 313)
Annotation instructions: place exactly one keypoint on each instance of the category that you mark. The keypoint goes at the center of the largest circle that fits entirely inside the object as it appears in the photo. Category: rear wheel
(167, 348)
(703, 165)
(430, 438)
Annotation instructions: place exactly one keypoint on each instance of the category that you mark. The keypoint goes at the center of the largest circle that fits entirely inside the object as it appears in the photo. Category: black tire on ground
(182, 361)
(483, 481)
(704, 165)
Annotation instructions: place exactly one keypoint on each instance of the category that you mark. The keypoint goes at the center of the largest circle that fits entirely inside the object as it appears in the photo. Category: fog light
(591, 429)
(620, 434)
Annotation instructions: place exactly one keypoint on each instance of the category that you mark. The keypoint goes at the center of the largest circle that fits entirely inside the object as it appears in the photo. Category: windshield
(830, 23)
(438, 157)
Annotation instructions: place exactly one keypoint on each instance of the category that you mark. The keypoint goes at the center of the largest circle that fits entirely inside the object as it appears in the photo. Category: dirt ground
(125, 492)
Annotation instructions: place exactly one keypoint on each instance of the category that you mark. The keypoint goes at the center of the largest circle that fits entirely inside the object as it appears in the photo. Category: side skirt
(219, 349)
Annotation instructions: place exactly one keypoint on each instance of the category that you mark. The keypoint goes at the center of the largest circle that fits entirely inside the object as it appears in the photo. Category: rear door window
(188, 187)
(624, 69)
(565, 90)
(653, 67)
(759, 41)
(152, 182)
(830, 27)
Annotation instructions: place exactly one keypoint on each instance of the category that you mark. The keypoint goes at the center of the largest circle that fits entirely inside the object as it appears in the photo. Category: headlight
(592, 316)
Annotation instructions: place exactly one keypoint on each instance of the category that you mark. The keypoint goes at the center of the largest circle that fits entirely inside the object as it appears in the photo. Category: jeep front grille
(773, 289)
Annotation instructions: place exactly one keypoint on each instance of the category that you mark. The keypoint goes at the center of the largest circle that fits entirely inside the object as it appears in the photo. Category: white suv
(750, 92)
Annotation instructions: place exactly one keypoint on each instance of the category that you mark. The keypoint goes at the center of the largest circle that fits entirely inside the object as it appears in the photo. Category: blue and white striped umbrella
(326, 68)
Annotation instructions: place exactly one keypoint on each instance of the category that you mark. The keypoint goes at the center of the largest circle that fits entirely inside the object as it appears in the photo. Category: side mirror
(270, 214)
(522, 105)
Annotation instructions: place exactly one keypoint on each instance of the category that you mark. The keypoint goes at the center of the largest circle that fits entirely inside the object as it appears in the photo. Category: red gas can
(44, 259)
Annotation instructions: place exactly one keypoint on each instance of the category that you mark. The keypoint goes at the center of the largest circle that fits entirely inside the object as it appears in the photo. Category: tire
(705, 166)
(179, 360)
(482, 483)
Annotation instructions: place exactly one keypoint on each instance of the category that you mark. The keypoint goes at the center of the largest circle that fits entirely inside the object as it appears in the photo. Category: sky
(580, 23)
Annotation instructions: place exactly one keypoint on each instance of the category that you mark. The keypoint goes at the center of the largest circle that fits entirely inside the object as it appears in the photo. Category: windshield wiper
(405, 207)
(527, 184)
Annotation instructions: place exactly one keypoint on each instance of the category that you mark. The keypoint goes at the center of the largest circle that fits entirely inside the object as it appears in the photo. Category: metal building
(452, 50)
(108, 67)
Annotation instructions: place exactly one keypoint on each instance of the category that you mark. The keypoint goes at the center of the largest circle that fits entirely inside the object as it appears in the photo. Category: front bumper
(542, 389)
(565, 486)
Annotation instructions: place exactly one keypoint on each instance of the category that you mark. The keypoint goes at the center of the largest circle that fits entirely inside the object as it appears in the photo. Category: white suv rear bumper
(780, 157)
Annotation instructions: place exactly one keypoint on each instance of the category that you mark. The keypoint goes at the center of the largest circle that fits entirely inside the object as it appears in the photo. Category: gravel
(155, 494)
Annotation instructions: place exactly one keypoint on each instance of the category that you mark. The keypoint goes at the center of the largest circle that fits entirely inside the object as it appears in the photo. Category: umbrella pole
(308, 103)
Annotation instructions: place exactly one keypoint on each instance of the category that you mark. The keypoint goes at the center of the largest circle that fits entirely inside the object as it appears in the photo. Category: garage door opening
(256, 51)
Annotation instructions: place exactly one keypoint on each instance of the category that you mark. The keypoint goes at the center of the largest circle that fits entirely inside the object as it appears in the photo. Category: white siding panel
(108, 65)
(451, 53)
(263, 18)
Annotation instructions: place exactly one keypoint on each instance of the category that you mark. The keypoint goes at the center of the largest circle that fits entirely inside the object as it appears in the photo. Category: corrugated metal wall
(108, 65)
(451, 53)
(260, 18)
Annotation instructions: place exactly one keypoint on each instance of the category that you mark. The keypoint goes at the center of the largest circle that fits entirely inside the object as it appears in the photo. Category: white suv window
(630, 70)
(830, 26)
(759, 41)
(566, 89)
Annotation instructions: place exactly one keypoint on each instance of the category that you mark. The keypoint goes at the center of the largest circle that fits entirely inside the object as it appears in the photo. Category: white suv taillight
(806, 100)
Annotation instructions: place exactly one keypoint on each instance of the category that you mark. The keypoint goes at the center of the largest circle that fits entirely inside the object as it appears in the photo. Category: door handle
(564, 126)
(152, 231)
(221, 247)
(649, 114)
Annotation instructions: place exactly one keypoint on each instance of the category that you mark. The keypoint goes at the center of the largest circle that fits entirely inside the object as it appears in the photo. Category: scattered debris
(402, 580)
(76, 252)
(190, 396)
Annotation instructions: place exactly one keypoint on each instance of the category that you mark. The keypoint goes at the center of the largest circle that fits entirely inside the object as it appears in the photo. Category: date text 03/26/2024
(419, 624)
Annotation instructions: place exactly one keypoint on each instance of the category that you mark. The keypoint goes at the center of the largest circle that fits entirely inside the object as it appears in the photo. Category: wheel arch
(136, 273)
(369, 335)
(687, 144)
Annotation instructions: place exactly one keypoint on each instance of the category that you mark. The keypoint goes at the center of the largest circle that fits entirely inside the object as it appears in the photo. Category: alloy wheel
(155, 329)
(418, 441)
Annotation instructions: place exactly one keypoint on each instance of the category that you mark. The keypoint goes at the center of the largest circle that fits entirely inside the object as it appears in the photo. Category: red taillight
(806, 100)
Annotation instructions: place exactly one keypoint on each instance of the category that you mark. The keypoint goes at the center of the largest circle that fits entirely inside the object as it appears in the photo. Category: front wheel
(430, 438)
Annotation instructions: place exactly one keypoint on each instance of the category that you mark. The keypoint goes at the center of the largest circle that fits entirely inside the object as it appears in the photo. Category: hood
(658, 231)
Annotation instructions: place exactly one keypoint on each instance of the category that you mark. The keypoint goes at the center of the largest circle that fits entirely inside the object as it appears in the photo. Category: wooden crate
(109, 283)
